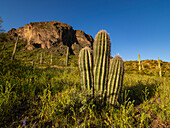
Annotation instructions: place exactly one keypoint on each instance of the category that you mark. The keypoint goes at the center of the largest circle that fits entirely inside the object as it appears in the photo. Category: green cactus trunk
(101, 58)
(14, 51)
(67, 56)
(115, 79)
(85, 66)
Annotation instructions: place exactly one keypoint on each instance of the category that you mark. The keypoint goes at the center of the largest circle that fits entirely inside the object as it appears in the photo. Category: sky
(135, 26)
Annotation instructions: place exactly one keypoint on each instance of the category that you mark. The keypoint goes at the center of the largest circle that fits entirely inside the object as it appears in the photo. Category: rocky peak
(52, 34)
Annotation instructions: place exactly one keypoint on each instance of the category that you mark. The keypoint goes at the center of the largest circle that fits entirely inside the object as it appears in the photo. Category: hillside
(39, 89)
(149, 67)
(51, 34)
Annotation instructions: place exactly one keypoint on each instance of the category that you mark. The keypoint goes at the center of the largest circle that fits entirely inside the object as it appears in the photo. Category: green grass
(50, 95)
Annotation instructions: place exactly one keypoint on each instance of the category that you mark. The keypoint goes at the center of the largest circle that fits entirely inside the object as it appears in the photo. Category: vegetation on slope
(46, 95)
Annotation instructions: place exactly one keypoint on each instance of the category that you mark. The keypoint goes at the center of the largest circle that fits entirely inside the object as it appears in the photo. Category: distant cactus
(98, 77)
(41, 59)
(159, 67)
(67, 56)
(14, 51)
(51, 58)
(139, 63)
(37, 56)
(33, 63)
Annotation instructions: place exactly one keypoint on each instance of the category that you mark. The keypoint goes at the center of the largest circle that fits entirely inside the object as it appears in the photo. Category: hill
(38, 89)
(51, 34)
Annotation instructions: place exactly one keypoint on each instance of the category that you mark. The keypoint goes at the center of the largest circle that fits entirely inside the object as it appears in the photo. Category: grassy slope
(44, 96)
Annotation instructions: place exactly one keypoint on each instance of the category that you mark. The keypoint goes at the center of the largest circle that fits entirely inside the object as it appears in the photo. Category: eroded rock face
(52, 34)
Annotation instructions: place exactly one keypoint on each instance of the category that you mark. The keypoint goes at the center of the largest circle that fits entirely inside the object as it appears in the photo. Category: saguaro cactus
(115, 79)
(139, 63)
(15, 48)
(85, 66)
(101, 56)
(99, 77)
(159, 67)
(51, 58)
(41, 59)
(67, 55)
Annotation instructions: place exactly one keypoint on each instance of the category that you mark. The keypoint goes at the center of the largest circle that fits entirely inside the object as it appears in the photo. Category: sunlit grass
(50, 95)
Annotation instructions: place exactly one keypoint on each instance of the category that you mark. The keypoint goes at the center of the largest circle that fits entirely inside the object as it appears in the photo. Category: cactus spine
(98, 77)
(67, 55)
(159, 67)
(14, 51)
(139, 63)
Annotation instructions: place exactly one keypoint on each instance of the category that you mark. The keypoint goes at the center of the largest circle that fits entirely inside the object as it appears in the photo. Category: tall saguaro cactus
(159, 67)
(98, 75)
(15, 48)
(139, 63)
(101, 58)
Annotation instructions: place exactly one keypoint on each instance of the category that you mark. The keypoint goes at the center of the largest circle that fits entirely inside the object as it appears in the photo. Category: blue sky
(135, 26)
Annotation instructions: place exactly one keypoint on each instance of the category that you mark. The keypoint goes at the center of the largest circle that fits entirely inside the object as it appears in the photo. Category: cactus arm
(115, 79)
(111, 79)
(119, 81)
(85, 66)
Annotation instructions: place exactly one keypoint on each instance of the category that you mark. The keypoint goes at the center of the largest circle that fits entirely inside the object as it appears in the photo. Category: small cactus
(37, 56)
(51, 58)
(96, 75)
(15, 48)
(159, 67)
(41, 59)
(67, 56)
(139, 63)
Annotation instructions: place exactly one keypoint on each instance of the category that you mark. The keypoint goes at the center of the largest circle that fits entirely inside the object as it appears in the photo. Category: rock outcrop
(52, 34)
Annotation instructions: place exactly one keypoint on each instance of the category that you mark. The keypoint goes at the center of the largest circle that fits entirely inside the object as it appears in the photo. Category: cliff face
(52, 34)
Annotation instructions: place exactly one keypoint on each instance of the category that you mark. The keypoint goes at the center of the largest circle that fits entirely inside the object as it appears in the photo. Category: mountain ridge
(51, 34)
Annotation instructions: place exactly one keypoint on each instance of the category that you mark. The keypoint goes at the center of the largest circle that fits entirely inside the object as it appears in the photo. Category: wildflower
(159, 99)
(113, 125)
(24, 123)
